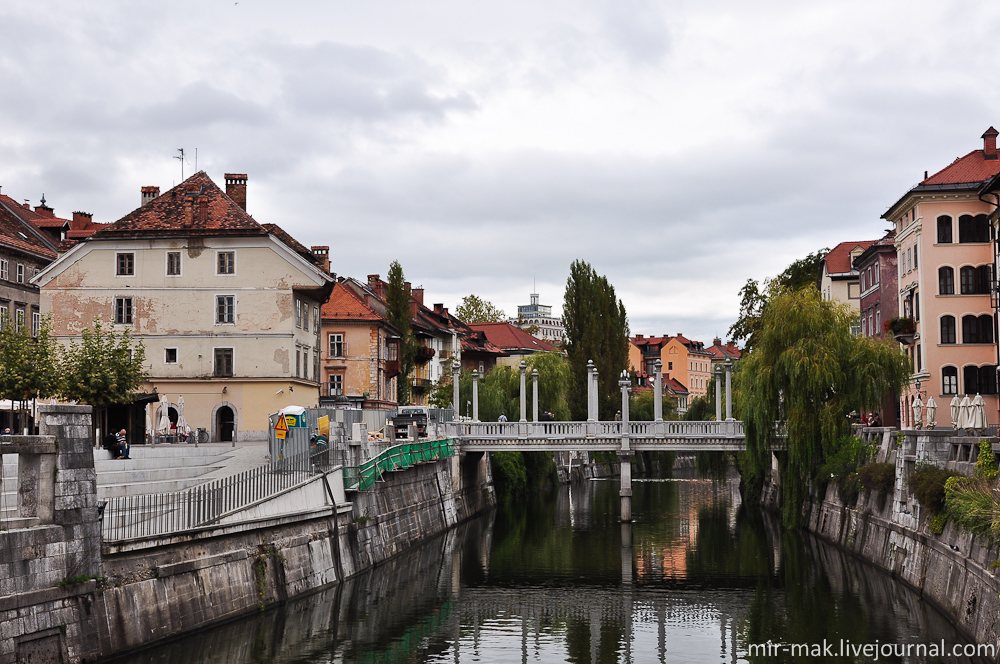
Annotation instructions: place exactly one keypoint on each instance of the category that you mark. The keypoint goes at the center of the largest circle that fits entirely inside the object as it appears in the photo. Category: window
(670, 366)
(944, 232)
(19, 320)
(224, 362)
(984, 278)
(298, 361)
(305, 316)
(298, 313)
(916, 306)
(973, 229)
(170, 356)
(4, 270)
(36, 323)
(946, 281)
(919, 357)
(878, 319)
(909, 260)
(225, 309)
(337, 346)
(971, 375)
(20, 273)
(949, 380)
(123, 311)
(947, 329)
(126, 265)
(227, 262)
(916, 255)
(977, 329)
(875, 274)
(316, 318)
(305, 363)
(988, 379)
(336, 385)
(173, 263)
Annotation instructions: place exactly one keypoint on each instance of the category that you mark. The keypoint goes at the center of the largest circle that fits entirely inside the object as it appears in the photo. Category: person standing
(502, 418)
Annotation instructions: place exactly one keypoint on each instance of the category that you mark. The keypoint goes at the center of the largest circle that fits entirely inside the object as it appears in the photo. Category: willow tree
(596, 329)
(807, 374)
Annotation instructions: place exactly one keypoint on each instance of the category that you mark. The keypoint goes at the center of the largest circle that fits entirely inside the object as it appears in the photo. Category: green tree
(809, 372)
(476, 310)
(596, 329)
(700, 409)
(400, 315)
(803, 273)
(641, 406)
(103, 369)
(28, 364)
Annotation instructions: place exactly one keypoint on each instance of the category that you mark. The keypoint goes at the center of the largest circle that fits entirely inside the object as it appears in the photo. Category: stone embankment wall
(953, 570)
(145, 590)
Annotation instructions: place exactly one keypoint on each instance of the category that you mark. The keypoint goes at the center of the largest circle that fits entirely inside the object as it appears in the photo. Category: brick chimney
(188, 214)
(44, 210)
(322, 254)
(149, 193)
(418, 295)
(375, 283)
(236, 188)
(202, 210)
(81, 220)
(990, 143)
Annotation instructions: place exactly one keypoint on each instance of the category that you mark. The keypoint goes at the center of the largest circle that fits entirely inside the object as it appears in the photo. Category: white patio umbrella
(955, 405)
(931, 413)
(964, 412)
(181, 422)
(977, 414)
(163, 426)
(918, 409)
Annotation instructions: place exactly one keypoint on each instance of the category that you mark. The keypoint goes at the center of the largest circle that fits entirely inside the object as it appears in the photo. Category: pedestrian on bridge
(502, 418)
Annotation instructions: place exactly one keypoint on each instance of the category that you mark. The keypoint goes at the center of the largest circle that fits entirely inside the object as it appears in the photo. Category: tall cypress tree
(397, 298)
(596, 329)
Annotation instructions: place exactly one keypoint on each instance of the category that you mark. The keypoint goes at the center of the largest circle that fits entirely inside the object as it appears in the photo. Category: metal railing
(398, 457)
(128, 517)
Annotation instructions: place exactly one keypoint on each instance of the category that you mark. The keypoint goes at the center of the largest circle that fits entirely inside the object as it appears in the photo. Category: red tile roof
(196, 206)
(292, 243)
(973, 167)
(511, 337)
(674, 386)
(723, 351)
(838, 261)
(345, 305)
(18, 231)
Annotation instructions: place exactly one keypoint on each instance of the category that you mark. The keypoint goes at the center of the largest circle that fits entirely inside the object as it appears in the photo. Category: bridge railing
(578, 430)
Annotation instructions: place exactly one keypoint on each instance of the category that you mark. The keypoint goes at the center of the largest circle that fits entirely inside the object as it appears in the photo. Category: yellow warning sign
(281, 428)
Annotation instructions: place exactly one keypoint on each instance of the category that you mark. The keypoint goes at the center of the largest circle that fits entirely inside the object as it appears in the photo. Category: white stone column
(456, 404)
(718, 393)
(729, 389)
(658, 393)
(590, 391)
(534, 395)
(524, 403)
(625, 453)
(475, 395)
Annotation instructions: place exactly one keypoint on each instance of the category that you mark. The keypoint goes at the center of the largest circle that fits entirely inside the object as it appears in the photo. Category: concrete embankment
(954, 570)
(66, 597)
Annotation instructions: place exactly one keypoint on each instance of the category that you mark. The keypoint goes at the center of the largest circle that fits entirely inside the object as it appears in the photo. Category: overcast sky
(679, 147)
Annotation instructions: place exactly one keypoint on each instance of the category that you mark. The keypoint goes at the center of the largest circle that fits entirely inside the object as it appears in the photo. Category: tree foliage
(400, 316)
(104, 368)
(596, 329)
(28, 364)
(474, 309)
(808, 371)
(641, 406)
(803, 273)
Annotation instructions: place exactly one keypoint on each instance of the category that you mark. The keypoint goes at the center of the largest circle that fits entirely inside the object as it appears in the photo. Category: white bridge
(724, 436)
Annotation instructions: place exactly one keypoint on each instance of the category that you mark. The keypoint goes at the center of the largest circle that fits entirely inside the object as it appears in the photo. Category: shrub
(937, 523)
(986, 464)
(927, 484)
(971, 503)
(880, 477)
(842, 466)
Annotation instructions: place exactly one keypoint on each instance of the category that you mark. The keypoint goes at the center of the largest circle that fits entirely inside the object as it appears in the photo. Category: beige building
(228, 309)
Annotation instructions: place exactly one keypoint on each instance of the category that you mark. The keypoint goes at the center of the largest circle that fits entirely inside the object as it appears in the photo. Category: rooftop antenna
(181, 158)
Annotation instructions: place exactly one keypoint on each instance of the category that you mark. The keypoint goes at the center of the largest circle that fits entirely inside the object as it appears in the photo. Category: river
(696, 578)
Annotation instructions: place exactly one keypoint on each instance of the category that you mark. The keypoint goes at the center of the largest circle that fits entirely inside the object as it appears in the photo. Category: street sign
(281, 428)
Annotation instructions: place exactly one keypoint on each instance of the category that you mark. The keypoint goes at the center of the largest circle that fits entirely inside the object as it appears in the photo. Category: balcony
(422, 384)
(902, 329)
(424, 354)
(392, 368)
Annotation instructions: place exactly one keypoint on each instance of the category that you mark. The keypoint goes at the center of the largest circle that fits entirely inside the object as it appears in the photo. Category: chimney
(375, 283)
(236, 188)
(322, 254)
(149, 193)
(418, 295)
(639, 337)
(990, 143)
(717, 341)
(188, 214)
(81, 220)
(203, 210)
(44, 210)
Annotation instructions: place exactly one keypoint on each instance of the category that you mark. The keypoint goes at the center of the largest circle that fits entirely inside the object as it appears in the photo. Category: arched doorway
(225, 423)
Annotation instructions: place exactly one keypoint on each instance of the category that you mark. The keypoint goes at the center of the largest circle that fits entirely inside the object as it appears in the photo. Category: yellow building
(228, 309)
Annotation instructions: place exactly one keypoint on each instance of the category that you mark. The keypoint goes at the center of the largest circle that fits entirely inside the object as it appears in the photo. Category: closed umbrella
(163, 425)
(977, 414)
(955, 405)
(181, 422)
(964, 412)
(931, 413)
(918, 410)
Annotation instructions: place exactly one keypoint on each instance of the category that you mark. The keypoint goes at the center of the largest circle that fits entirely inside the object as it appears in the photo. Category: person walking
(502, 418)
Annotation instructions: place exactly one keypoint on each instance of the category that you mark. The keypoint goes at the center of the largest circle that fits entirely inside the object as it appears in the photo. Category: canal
(696, 578)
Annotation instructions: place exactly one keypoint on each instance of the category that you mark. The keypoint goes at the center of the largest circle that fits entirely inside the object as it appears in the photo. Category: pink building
(945, 277)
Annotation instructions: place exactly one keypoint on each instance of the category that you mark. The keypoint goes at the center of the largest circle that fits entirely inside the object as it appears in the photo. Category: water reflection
(697, 578)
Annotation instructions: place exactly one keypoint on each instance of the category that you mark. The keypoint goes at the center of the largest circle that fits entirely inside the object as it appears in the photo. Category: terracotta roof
(476, 342)
(293, 244)
(51, 222)
(640, 340)
(723, 351)
(345, 305)
(19, 233)
(196, 206)
(511, 337)
(674, 386)
(838, 261)
(973, 167)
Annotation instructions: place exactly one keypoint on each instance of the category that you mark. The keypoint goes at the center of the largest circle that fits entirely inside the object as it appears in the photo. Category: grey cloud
(197, 104)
